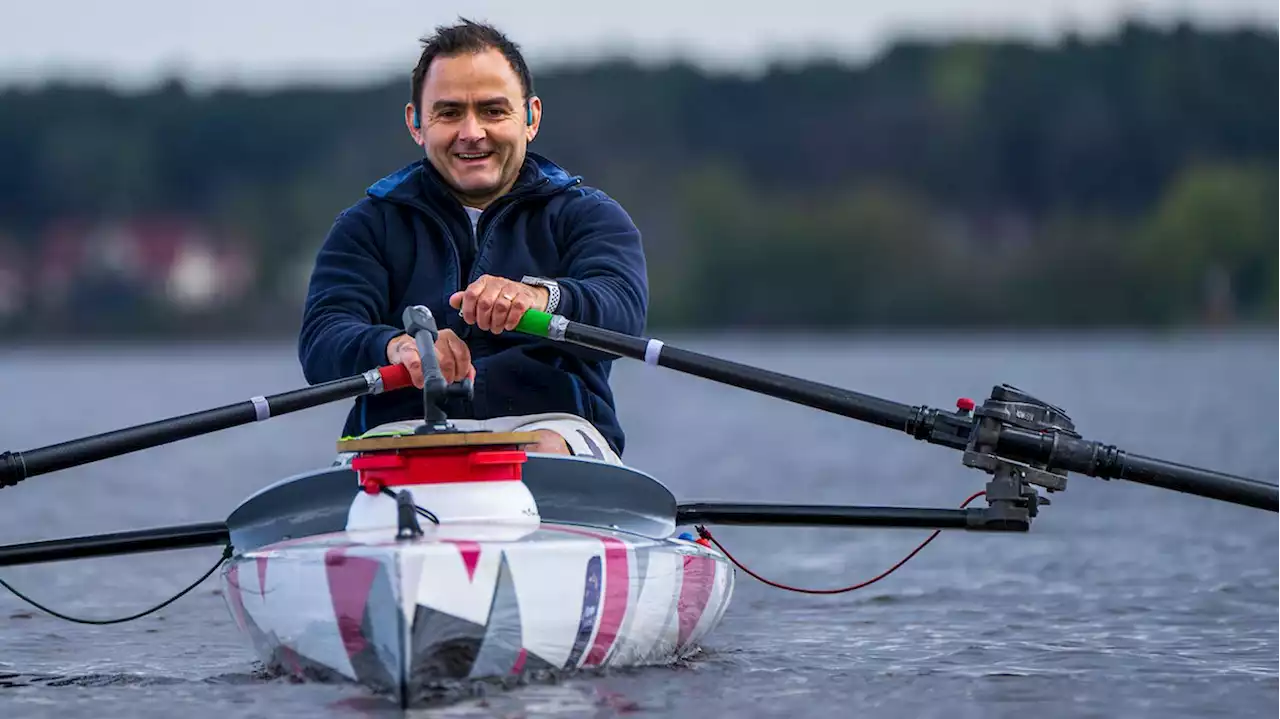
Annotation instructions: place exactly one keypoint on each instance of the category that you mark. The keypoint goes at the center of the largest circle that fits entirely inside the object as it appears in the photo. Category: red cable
(706, 534)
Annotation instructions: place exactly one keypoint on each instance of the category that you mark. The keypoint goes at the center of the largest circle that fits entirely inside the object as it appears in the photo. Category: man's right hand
(451, 352)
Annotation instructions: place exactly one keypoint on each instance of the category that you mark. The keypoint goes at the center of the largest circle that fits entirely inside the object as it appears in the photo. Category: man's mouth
(471, 156)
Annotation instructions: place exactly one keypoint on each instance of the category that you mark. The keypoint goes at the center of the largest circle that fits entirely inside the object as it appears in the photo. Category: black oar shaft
(17, 466)
(805, 515)
(1058, 450)
(1201, 482)
(1107, 462)
(792, 389)
(145, 436)
(183, 536)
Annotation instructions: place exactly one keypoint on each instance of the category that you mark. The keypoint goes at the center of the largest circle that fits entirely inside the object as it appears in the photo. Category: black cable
(423, 512)
(226, 554)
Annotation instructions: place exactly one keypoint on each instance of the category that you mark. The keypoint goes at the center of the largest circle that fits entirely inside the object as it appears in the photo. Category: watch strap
(553, 290)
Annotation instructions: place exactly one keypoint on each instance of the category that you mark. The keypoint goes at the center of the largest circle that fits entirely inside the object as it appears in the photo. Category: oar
(17, 466)
(566, 490)
(998, 439)
(156, 539)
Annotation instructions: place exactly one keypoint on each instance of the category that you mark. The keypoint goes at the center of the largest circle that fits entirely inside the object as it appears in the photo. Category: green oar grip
(535, 322)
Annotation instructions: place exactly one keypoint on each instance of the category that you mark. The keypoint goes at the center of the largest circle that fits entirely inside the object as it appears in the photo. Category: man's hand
(451, 352)
(495, 304)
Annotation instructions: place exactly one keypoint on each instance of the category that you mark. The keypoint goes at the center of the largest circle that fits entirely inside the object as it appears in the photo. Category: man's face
(473, 124)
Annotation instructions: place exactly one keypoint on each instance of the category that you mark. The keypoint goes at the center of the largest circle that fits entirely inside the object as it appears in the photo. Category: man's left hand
(495, 304)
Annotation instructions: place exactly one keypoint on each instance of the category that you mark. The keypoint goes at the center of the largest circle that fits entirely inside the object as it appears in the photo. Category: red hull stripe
(350, 581)
(262, 576)
(695, 589)
(470, 552)
(617, 587)
(237, 599)
(617, 583)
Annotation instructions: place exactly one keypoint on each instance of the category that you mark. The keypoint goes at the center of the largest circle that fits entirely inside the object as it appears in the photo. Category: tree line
(1125, 180)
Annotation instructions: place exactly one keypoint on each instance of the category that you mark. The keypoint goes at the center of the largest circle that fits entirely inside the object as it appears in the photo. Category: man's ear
(533, 118)
(413, 121)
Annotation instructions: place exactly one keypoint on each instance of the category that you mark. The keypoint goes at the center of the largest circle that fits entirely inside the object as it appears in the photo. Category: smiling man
(480, 230)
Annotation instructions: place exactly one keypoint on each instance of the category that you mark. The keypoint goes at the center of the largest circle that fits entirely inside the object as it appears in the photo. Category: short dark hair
(468, 37)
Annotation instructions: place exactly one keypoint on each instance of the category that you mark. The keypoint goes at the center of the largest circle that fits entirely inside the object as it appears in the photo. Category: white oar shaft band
(652, 351)
(261, 408)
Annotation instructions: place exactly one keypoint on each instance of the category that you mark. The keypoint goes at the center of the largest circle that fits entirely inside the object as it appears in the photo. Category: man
(480, 230)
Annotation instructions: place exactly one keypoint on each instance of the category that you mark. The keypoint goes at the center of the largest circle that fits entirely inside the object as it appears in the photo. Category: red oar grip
(395, 377)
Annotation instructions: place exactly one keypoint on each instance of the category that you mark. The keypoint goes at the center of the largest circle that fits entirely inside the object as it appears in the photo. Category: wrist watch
(553, 290)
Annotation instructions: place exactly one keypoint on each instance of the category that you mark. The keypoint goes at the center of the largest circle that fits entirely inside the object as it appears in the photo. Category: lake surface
(1123, 600)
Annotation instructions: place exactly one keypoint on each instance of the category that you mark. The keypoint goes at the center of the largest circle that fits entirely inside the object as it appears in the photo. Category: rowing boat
(361, 592)
(430, 553)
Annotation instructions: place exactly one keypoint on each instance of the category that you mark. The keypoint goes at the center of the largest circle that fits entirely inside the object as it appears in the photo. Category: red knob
(964, 404)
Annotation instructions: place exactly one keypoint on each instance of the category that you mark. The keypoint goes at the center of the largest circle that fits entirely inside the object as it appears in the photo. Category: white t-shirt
(474, 214)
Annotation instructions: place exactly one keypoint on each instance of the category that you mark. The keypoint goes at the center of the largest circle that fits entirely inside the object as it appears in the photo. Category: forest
(1127, 181)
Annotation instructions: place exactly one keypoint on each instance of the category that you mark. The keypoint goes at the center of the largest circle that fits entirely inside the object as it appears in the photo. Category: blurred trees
(1128, 180)
(1213, 235)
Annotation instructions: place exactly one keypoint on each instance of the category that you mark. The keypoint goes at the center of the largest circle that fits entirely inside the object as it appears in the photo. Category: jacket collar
(419, 184)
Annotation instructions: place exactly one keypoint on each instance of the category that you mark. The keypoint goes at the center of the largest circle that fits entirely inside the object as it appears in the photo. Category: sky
(133, 44)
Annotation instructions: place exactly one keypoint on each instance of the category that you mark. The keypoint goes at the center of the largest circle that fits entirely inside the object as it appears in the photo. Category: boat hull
(474, 602)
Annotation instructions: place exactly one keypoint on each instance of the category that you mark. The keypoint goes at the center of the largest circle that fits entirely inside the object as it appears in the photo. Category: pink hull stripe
(470, 552)
(350, 581)
(617, 583)
(237, 599)
(262, 576)
(695, 589)
(617, 587)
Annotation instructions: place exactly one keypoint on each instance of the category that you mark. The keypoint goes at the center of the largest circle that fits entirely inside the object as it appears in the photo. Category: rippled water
(1124, 600)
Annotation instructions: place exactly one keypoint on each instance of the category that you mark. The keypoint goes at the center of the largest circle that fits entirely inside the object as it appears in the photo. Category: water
(1124, 600)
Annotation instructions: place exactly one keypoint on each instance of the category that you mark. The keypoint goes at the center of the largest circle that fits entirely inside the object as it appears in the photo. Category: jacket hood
(419, 184)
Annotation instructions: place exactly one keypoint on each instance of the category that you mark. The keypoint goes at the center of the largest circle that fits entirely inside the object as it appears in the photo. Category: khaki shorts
(584, 440)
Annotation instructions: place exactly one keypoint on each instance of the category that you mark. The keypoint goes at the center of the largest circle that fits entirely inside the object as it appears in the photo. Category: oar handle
(535, 322)
(17, 466)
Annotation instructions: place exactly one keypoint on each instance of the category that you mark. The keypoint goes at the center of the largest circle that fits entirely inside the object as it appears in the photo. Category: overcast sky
(132, 43)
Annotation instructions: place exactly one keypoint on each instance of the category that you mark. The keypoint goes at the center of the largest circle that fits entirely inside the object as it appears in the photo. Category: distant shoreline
(811, 337)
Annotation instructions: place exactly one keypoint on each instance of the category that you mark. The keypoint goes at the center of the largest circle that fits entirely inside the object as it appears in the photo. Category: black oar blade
(572, 490)
(304, 505)
(567, 490)
(183, 536)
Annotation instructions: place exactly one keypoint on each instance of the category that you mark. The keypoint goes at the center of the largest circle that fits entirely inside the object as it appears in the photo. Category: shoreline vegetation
(1121, 183)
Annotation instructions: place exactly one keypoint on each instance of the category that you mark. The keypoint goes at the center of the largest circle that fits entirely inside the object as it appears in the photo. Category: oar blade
(574, 490)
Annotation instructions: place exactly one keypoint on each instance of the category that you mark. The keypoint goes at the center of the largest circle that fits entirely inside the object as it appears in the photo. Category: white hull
(474, 601)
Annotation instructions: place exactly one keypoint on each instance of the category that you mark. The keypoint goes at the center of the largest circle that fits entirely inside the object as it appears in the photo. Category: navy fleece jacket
(409, 241)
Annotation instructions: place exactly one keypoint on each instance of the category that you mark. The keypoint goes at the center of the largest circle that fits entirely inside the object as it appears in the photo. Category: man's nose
(471, 128)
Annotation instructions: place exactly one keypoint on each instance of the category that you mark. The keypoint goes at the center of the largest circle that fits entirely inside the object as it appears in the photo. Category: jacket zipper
(453, 248)
(483, 240)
